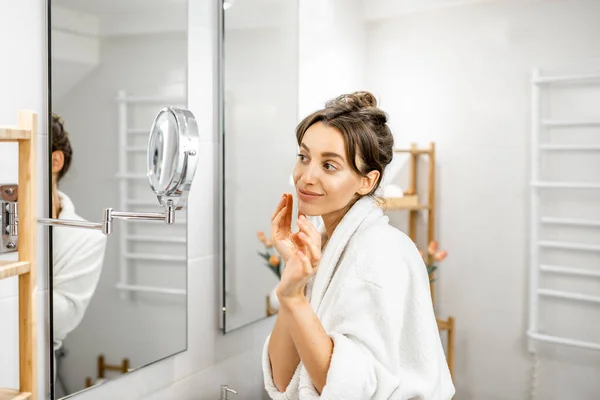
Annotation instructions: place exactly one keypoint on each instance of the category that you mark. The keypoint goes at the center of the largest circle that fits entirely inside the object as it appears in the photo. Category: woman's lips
(306, 195)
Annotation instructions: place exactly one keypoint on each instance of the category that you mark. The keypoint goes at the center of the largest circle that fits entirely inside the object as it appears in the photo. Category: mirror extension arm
(109, 215)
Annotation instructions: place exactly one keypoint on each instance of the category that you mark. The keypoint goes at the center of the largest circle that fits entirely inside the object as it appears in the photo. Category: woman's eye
(302, 157)
(329, 167)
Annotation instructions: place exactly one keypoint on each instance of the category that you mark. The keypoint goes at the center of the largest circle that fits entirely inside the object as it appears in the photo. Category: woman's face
(325, 182)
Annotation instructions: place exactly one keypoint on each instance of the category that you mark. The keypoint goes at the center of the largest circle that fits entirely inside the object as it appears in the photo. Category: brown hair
(61, 142)
(364, 127)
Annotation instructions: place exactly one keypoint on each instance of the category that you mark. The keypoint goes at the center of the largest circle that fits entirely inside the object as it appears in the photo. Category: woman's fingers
(276, 222)
(290, 207)
(309, 229)
(306, 265)
(311, 238)
(297, 241)
(313, 249)
(280, 205)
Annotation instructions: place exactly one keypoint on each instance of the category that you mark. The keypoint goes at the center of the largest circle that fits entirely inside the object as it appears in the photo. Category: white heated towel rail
(536, 292)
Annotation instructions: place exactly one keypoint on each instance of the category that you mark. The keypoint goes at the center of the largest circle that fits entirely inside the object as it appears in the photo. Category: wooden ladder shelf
(25, 134)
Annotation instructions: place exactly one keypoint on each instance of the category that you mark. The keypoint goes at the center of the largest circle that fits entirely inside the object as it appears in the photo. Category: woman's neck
(56, 206)
(332, 219)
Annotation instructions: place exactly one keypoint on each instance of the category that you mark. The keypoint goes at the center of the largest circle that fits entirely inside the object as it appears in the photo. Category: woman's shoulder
(383, 254)
(380, 236)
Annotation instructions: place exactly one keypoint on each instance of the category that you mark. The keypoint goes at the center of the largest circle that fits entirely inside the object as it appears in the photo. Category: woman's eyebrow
(325, 154)
(332, 155)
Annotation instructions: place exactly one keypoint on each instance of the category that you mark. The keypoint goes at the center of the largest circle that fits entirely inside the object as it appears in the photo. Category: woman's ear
(58, 161)
(368, 182)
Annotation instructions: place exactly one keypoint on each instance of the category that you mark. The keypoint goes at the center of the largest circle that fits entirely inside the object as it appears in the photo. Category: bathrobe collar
(364, 209)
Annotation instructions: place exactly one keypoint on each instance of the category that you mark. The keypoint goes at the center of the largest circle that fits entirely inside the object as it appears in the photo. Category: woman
(78, 253)
(356, 319)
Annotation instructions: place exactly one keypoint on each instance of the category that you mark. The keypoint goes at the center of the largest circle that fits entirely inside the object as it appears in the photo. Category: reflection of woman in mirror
(77, 253)
(356, 318)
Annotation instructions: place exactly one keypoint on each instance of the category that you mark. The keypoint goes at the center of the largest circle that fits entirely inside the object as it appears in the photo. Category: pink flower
(441, 255)
(261, 236)
(433, 247)
(274, 260)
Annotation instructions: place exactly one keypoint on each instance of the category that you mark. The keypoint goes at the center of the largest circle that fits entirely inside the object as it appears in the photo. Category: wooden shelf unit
(11, 394)
(395, 204)
(13, 268)
(25, 134)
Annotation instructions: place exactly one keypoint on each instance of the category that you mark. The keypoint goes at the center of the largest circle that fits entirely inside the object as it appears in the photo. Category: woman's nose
(310, 174)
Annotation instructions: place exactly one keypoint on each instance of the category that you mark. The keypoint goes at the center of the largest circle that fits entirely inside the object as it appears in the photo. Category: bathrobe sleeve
(78, 259)
(386, 342)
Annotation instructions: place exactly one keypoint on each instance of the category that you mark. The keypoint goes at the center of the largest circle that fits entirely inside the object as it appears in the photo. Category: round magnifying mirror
(172, 155)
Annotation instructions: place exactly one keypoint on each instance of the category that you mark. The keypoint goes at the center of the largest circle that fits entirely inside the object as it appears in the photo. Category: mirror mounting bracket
(9, 239)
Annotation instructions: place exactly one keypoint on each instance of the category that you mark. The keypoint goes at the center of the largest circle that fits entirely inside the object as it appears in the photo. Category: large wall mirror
(260, 94)
(119, 300)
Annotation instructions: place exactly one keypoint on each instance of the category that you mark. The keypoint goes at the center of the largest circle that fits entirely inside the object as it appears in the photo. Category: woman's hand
(309, 240)
(303, 262)
(296, 274)
(281, 228)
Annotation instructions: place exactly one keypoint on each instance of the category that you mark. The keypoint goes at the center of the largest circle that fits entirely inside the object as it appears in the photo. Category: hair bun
(356, 100)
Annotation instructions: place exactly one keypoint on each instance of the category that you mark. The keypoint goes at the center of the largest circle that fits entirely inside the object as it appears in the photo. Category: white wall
(332, 41)
(115, 327)
(460, 77)
(23, 83)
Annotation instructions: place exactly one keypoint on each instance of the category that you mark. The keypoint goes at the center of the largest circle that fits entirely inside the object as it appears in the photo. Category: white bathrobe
(371, 293)
(78, 257)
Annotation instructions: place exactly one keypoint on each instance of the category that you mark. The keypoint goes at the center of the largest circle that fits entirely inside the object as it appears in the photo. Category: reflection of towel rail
(132, 202)
(129, 175)
(123, 98)
(154, 239)
(154, 257)
(151, 289)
